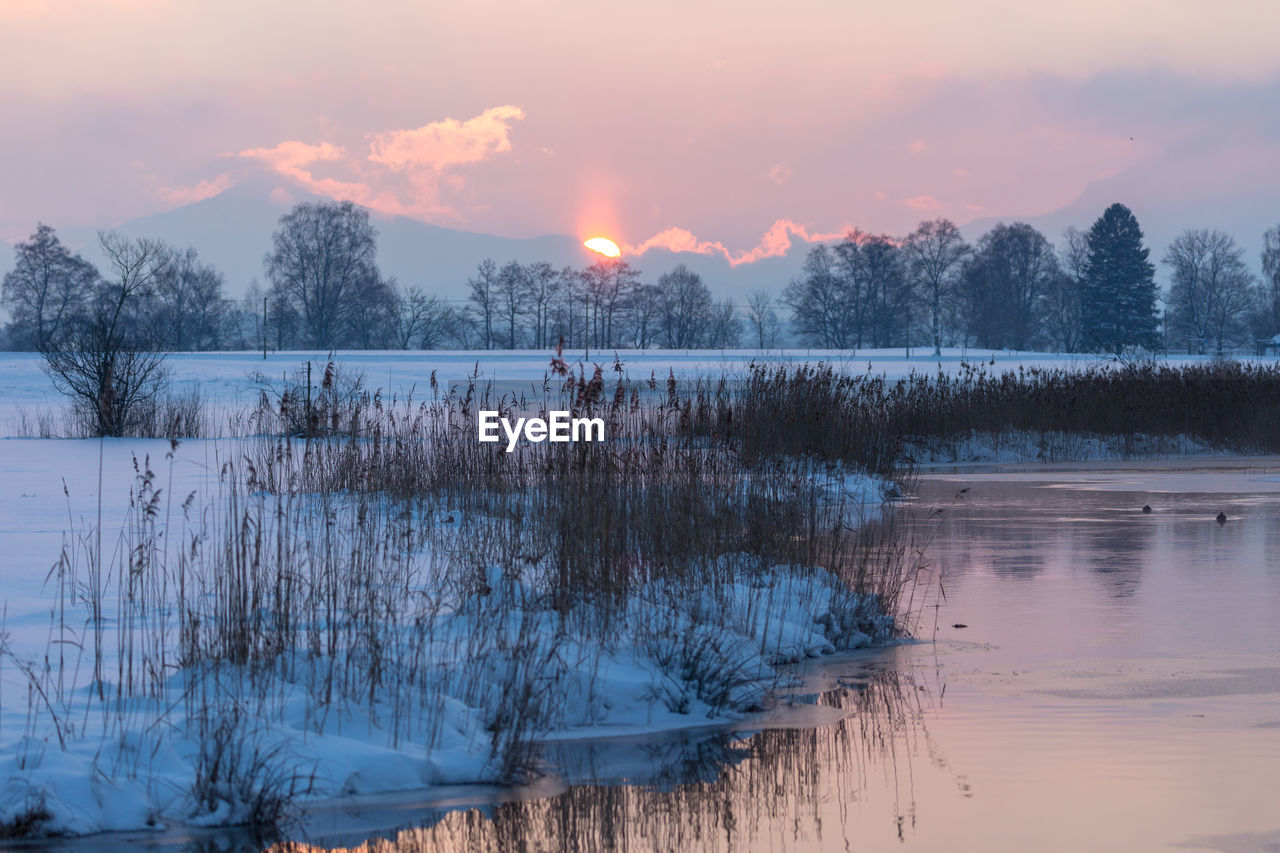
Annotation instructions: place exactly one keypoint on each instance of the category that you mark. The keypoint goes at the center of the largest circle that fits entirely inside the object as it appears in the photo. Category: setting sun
(604, 246)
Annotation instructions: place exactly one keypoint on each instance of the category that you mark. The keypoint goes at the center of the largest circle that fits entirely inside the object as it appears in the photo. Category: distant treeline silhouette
(1012, 289)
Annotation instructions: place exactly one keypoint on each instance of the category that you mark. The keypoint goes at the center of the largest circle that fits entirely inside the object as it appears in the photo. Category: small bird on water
(1222, 518)
(1146, 508)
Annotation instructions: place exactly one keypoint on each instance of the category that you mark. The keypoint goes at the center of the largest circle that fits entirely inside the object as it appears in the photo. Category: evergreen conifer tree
(1119, 293)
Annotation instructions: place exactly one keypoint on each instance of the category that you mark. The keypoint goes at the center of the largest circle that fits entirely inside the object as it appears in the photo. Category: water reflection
(786, 788)
(1116, 685)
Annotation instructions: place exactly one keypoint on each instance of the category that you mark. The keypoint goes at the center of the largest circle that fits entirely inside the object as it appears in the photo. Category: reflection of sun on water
(604, 246)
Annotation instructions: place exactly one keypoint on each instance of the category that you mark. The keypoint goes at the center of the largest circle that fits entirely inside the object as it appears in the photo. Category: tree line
(1012, 289)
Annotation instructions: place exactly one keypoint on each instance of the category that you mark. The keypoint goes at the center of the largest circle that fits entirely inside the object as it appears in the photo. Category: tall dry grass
(381, 564)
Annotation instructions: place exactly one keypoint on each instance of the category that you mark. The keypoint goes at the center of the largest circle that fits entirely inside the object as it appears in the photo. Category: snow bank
(674, 661)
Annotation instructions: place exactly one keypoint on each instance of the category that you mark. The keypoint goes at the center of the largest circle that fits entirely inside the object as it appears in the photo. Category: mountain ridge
(232, 230)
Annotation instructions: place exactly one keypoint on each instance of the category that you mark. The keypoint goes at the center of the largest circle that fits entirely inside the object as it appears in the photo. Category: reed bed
(372, 567)
(365, 565)
(875, 424)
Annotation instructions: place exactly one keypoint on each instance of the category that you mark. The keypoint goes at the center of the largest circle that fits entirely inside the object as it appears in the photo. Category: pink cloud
(294, 160)
(404, 170)
(179, 196)
(450, 142)
(780, 173)
(776, 241)
(924, 203)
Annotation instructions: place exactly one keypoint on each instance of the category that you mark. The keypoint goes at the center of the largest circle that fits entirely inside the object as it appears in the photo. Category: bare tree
(1211, 288)
(685, 308)
(763, 320)
(323, 258)
(879, 287)
(824, 308)
(426, 322)
(724, 329)
(1270, 291)
(248, 321)
(543, 285)
(610, 286)
(567, 313)
(46, 290)
(1064, 295)
(188, 306)
(935, 256)
(284, 326)
(512, 295)
(371, 315)
(1004, 286)
(107, 362)
(484, 299)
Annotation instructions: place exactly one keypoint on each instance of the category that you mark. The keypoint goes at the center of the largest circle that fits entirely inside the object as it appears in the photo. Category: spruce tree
(1119, 293)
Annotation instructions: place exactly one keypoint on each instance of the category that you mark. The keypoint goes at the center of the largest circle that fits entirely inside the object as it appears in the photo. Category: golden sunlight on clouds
(422, 154)
(179, 196)
(924, 203)
(294, 160)
(447, 143)
(775, 242)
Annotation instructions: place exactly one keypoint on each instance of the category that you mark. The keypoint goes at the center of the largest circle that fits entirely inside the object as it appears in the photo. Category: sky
(736, 128)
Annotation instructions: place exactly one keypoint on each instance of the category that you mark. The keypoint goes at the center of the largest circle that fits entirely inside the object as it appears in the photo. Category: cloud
(917, 147)
(294, 160)
(404, 170)
(924, 203)
(179, 196)
(776, 242)
(780, 173)
(446, 143)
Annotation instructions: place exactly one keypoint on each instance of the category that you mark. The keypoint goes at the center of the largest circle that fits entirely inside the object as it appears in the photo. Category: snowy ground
(224, 378)
(129, 764)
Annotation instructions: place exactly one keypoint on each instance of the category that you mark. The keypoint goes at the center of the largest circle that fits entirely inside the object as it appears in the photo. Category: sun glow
(604, 246)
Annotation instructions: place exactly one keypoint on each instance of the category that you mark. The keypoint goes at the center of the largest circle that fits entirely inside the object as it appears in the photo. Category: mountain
(233, 231)
(1243, 205)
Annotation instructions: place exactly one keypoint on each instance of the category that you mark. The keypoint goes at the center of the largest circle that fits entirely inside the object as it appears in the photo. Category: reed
(381, 568)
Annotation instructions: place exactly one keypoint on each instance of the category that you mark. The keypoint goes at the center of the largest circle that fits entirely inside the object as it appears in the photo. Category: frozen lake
(1117, 687)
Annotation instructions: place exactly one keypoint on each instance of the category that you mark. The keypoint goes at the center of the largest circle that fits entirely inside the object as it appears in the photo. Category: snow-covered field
(224, 379)
(86, 757)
